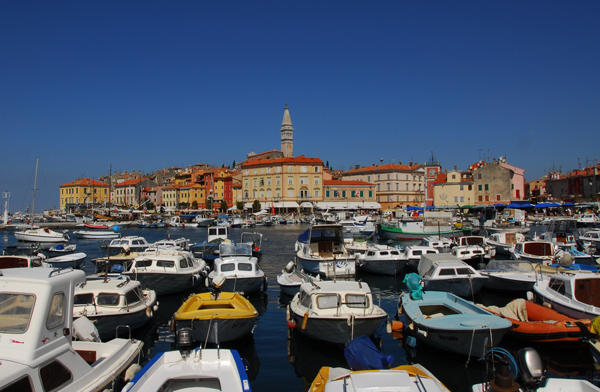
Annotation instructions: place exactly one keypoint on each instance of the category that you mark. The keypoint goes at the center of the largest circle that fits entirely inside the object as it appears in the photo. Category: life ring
(149, 313)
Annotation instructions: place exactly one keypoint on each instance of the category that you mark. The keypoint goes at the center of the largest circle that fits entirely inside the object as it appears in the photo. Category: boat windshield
(231, 249)
(15, 312)
(509, 266)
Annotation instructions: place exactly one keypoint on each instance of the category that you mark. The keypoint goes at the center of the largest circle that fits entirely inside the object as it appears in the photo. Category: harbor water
(281, 359)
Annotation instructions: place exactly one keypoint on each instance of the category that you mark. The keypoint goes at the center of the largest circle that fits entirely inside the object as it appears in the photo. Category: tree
(233, 164)
(256, 206)
(150, 206)
(327, 164)
(224, 206)
(195, 204)
(239, 205)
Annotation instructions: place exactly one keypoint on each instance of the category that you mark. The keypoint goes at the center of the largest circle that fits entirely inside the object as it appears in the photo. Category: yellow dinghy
(216, 317)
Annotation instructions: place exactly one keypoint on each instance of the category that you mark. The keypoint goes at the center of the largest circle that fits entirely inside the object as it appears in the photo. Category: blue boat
(448, 322)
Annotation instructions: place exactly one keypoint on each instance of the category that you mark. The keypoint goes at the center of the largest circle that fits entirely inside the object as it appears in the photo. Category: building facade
(83, 191)
(453, 188)
(352, 195)
(396, 185)
(282, 182)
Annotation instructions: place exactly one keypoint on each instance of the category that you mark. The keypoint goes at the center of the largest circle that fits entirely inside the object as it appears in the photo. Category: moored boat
(42, 235)
(444, 272)
(290, 279)
(321, 250)
(572, 294)
(335, 311)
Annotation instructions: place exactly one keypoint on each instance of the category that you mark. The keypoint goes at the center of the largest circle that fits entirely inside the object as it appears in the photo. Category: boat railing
(121, 327)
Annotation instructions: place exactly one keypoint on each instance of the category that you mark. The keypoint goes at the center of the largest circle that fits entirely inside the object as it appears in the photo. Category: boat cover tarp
(362, 354)
(515, 309)
(304, 236)
(413, 282)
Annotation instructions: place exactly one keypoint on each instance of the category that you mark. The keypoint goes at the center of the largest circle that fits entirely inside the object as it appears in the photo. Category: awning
(348, 205)
(306, 205)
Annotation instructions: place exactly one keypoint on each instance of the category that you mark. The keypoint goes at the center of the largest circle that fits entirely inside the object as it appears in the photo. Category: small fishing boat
(537, 323)
(510, 275)
(133, 243)
(444, 272)
(241, 270)
(442, 244)
(321, 250)
(382, 259)
(61, 248)
(217, 233)
(113, 301)
(198, 370)
(167, 271)
(21, 261)
(536, 251)
(572, 294)
(96, 234)
(291, 278)
(216, 316)
(42, 235)
(448, 322)
(38, 351)
(505, 241)
(405, 378)
(74, 260)
(335, 311)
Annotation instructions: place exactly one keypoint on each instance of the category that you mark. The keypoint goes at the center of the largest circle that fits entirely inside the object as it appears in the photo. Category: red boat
(96, 227)
(537, 323)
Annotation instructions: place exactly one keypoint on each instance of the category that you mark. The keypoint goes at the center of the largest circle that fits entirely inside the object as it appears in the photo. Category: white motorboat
(176, 243)
(444, 272)
(543, 252)
(197, 370)
(505, 241)
(21, 261)
(217, 233)
(240, 268)
(96, 234)
(572, 294)
(473, 250)
(42, 235)
(73, 260)
(442, 244)
(131, 243)
(591, 239)
(563, 232)
(382, 259)
(167, 271)
(414, 252)
(291, 278)
(335, 311)
(510, 275)
(37, 348)
(356, 244)
(405, 378)
(113, 301)
(321, 250)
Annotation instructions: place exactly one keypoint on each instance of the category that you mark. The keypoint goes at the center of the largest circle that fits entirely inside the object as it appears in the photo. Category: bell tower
(287, 134)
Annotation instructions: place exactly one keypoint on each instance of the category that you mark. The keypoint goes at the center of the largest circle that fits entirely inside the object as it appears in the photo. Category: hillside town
(278, 180)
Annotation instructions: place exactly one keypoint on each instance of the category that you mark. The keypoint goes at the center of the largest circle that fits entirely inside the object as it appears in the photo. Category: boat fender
(305, 320)
(155, 307)
(388, 327)
(131, 372)
(422, 333)
(530, 297)
(397, 326)
(149, 313)
(546, 304)
(292, 324)
(411, 341)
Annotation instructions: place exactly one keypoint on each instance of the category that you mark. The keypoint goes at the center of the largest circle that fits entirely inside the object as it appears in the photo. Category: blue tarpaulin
(304, 236)
(361, 354)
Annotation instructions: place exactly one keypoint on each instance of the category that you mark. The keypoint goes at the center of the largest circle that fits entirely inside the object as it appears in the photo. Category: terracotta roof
(85, 182)
(130, 182)
(300, 159)
(347, 183)
(388, 167)
(441, 178)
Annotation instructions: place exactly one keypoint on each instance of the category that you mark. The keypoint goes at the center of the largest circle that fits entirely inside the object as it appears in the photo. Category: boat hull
(242, 284)
(337, 330)
(107, 324)
(463, 287)
(339, 267)
(218, 330)
(165, 283)
(385, 232)
(382, 267)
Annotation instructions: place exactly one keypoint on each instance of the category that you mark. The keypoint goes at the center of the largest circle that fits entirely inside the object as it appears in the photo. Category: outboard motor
(531, 366)
(289, 267)
(217, 283)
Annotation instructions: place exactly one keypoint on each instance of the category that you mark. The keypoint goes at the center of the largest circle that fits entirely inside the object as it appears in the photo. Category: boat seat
(87, 355)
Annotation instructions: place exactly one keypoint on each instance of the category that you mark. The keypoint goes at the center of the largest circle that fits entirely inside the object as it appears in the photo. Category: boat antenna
(37, 161)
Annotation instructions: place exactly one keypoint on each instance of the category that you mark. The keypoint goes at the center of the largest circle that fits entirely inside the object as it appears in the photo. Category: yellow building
(191, 193)
(453, 188)
(83, 191)
(170, 196)
(282, 182)
(352, 195)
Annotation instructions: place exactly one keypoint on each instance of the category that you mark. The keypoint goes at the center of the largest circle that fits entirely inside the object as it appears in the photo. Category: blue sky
(142, 85)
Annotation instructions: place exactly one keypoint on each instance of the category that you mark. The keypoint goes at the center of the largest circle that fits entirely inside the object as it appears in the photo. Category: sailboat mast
(37, 161)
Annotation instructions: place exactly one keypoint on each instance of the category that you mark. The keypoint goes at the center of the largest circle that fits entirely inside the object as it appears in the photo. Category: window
(290, 169)
(352, 193)
(262, 182)
(328, 301)
(370, 193)
(462, 187)
(368, 178)
(290, 180)
(316, 193)
(378, 177)
(107, 299)
(498, 198)
(56, 314)
(21, 385)
(278, 170)
(133, 297)
(316, 169)
(487, 187)
(227, 267)
(343, 193)
(54, 375)
(244, 267)
(388, 186)
(15, 312)
(357, 301)
(362, 193)
(290, 193)
(316, 180)
(269, 181)
(303, 180)
(456, 199)
(165, 263)
(327, 193)
(254, 182)
(479, 187)
(84, 299)
(277, 180)
(268, 170)
(462, 199)
(303, 169)
(388, 176)
(254, 171)
(479, 176)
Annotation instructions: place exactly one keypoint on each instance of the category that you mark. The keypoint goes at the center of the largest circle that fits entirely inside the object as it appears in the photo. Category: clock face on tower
(432, 172)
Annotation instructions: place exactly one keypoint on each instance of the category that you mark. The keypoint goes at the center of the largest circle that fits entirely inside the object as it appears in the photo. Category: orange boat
(537, 323)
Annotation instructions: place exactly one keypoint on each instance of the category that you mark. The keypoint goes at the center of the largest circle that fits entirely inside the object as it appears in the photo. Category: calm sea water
(282, 359)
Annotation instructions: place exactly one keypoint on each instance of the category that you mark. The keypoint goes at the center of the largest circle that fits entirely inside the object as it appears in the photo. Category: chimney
(410, 163)
(357, 166)
(454, 167)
